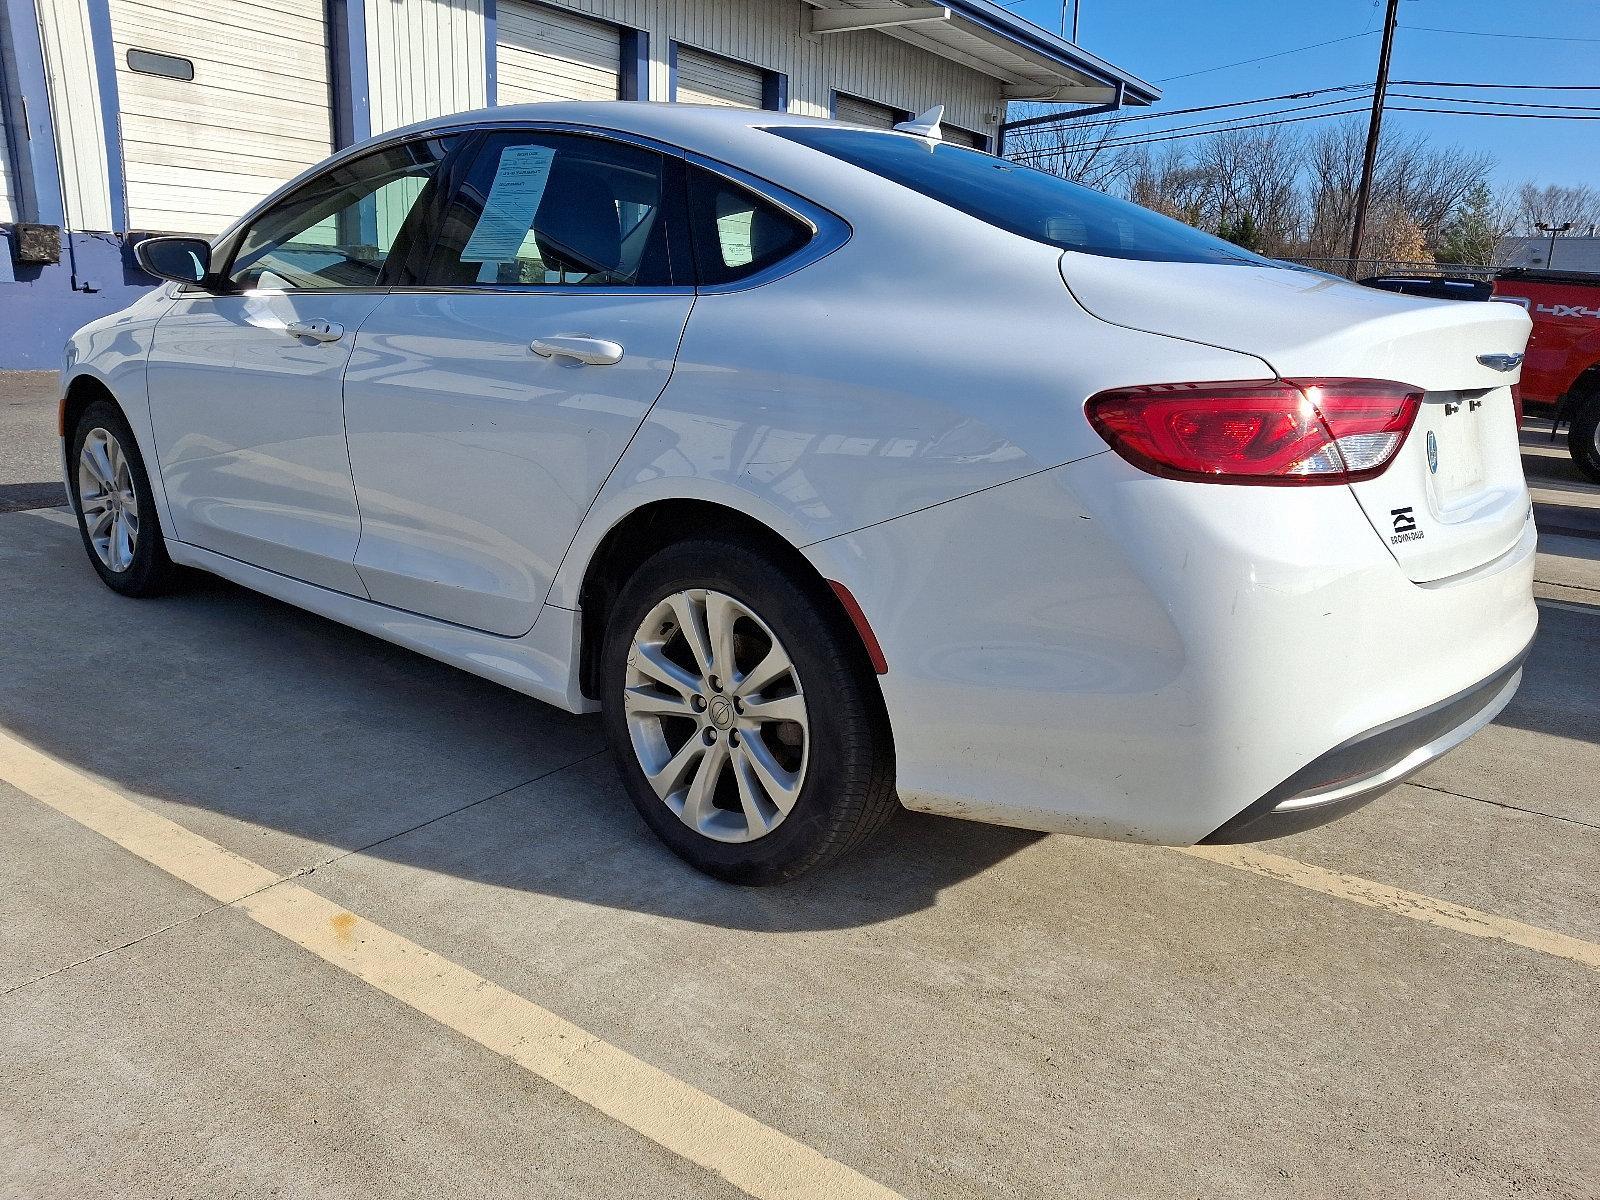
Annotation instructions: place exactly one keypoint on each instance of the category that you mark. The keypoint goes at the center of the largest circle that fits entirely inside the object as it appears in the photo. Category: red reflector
(1283, 432)
(869, 640)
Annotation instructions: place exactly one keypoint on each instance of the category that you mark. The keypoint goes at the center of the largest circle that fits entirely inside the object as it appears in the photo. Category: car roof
(707, 128)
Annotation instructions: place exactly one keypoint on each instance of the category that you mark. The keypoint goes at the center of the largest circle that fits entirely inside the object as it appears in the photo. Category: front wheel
(748, 734)
(115, 508)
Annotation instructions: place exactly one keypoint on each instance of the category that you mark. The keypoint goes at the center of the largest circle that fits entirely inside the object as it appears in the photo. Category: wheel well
(655, 526)
(81, 392)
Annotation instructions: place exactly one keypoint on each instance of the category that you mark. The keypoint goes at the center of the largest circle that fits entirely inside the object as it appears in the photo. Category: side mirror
(180, 259)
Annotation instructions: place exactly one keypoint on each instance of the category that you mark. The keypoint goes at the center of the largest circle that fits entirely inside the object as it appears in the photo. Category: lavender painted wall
(41, 309)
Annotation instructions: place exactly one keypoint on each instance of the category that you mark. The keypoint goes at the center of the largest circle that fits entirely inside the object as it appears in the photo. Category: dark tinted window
(1020, 199)
(148, 62)
(339, 230)
(736, 232)
(557, 210)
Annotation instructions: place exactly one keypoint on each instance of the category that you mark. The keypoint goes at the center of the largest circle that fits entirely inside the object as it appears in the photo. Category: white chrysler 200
(838, 468)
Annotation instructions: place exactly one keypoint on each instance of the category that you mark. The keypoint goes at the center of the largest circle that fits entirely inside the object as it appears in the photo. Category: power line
(1498, 103)
(1519, 37)
(1164, 136)
(1244, 62)
(1182, 112)
(1523, 116)
(1525, 87)
(1219, 126)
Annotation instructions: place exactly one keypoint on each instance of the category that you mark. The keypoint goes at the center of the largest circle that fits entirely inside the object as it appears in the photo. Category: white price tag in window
(519, 183)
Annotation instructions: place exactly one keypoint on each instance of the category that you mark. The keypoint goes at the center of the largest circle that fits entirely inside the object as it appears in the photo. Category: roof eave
(1047, 45)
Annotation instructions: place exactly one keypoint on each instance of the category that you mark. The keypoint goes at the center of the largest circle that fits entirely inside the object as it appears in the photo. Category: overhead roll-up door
(964, 137)
(224, 102)
(865, 112)
(709, 79)
(548, 54)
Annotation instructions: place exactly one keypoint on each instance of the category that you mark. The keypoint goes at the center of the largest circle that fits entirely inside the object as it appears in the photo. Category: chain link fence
(1366, 268)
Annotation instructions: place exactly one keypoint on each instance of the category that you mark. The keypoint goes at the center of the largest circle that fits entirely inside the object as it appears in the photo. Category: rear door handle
(595, 352)
(317, 330)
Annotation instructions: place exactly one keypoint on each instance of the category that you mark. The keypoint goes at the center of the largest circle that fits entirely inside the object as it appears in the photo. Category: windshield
(1019, 199)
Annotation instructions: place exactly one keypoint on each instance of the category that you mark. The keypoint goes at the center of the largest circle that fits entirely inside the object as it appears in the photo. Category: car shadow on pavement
(1560, 692)
(293, 740)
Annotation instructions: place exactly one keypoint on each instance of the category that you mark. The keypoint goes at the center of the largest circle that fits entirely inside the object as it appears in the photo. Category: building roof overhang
(1030, 62)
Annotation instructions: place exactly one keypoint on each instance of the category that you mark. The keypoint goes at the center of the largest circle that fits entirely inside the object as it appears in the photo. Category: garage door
(707, 79)
(547, 54)
(865, 112)
(964, 137)
(222, 102)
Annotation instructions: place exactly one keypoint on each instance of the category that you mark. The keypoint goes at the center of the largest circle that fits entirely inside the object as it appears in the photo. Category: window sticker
(519, 183)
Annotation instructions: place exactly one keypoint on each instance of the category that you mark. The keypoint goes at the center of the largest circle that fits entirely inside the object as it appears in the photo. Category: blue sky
(1159, 39)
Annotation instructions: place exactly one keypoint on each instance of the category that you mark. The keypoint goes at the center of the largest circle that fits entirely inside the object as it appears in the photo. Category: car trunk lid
(1454, 497)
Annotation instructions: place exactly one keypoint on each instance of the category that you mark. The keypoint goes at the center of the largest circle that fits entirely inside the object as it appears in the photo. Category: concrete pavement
(957, 1011)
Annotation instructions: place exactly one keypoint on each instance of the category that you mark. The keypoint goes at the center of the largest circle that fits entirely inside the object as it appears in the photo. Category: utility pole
(1379, 89)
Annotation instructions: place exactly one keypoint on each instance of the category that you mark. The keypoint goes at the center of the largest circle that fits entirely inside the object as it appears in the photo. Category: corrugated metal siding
(425, 58)
(198, 154)
(865, 112)
(75, 107)
(546, 54)
(767, 34)
(707, 79)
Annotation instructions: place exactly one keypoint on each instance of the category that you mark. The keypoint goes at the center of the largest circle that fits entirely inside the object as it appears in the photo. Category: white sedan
(839, 468)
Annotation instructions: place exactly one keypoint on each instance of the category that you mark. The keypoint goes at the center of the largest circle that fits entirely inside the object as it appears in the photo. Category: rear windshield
(1019, 199)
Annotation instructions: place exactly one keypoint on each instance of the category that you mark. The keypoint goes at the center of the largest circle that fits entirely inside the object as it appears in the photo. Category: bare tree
(1556, 205)
(1079, 150)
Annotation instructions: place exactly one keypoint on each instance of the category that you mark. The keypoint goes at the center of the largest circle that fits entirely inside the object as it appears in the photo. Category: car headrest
(577, 224)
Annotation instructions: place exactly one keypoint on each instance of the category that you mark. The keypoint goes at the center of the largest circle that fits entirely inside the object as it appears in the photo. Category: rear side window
(542, 210)
(1018, 199)
(736, 232)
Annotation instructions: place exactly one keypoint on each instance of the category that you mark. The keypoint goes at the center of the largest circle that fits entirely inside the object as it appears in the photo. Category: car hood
(1303, 323)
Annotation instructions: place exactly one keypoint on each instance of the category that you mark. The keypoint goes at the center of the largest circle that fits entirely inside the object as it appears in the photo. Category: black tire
(1583, 434)
(847, 790)
(150, 572)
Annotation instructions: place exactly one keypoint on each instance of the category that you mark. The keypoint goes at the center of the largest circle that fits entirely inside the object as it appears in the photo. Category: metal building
(123, 118)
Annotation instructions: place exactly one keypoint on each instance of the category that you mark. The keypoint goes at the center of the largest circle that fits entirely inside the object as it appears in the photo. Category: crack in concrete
(1532, 812)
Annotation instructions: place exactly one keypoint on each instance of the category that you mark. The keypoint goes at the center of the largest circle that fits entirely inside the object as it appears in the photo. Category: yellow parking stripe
(1417, 907)
(751, 1156)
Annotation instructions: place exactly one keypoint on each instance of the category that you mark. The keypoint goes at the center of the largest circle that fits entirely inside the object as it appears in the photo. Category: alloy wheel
(716, 715)
(107, 498)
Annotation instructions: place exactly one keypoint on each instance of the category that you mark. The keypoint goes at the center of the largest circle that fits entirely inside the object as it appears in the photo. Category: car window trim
(675, 205)
(228, 244)
(829, 231)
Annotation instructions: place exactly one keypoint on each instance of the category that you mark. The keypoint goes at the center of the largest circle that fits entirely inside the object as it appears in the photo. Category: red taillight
(1516, 403)
(1284, 432)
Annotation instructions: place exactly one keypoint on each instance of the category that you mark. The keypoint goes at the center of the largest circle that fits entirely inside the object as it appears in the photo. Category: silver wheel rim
(716, 715)
(107, 499)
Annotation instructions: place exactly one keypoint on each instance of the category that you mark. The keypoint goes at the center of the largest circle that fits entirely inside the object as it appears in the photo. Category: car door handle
(595, 352)
(318, 330)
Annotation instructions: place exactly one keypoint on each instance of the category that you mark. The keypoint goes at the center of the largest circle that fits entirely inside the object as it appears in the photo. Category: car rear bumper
(1370, 764)
(1095, 651)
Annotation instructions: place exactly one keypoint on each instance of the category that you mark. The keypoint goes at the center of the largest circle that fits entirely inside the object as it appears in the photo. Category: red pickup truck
(1561, 374)
(1562, 370)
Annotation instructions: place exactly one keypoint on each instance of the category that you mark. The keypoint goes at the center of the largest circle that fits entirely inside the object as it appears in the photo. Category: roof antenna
(927, 125)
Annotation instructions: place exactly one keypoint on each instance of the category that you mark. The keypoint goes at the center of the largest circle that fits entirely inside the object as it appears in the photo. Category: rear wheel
(747, 732)
(1583, 434)
(115, 507)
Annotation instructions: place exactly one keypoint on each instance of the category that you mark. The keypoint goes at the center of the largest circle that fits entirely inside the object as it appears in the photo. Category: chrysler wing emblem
(1501, 362)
